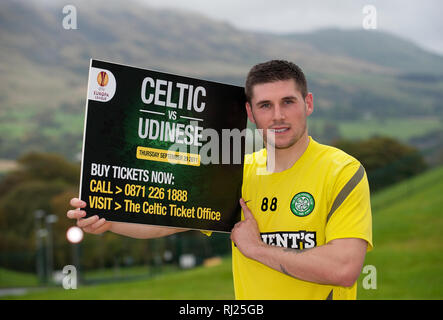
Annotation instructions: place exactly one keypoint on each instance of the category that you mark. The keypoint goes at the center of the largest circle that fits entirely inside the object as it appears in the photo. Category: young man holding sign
(306, 226)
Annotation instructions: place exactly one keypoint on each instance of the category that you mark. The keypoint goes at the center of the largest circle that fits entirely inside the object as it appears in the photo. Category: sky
(417, 20)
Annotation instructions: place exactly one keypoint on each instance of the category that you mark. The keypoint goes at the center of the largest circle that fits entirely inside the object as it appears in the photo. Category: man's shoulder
(334, 163)
(334, 156)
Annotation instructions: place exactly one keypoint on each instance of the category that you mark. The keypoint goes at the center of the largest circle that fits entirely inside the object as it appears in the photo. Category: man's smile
(279, 130)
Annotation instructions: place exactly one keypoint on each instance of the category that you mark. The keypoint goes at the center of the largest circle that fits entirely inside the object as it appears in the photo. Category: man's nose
(278, 113)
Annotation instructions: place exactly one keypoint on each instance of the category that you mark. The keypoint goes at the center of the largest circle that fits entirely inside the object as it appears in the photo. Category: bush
(386, 160)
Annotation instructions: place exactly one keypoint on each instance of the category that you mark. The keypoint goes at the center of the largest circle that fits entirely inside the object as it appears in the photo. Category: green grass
(408, 240)
(199, 283)
(402, 129)
(407, 255)
(9, 278)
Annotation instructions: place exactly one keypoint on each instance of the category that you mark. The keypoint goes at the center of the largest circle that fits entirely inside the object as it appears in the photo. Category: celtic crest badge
(302, 204)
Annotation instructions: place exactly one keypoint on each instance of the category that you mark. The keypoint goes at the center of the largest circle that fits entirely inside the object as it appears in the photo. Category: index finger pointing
(246, 211)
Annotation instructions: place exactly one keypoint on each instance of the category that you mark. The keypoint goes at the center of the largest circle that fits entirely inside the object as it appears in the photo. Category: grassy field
(402, 129)
(407, 256)
(408, 240)
(213, 283)
(9, 279)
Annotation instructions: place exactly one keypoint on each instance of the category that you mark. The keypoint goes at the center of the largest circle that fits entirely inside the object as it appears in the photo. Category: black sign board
(162, 149)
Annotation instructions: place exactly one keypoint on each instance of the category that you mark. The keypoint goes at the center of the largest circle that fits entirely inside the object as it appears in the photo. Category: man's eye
(265, 105)
(288, 101)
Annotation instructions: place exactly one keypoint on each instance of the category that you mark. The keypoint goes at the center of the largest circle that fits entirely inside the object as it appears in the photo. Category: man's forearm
(323, 264)
(338, 262)
(141, 231)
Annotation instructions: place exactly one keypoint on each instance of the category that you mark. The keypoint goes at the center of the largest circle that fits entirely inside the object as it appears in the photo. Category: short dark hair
(272, 71)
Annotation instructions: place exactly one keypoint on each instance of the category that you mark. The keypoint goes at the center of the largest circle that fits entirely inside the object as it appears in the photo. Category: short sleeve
(350, 213)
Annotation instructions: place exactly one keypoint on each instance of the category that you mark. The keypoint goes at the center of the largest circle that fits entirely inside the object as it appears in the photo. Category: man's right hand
(92, 224)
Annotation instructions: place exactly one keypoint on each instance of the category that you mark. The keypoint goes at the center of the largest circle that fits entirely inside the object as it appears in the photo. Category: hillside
(43, 67)
(376, 47)
(407, 224)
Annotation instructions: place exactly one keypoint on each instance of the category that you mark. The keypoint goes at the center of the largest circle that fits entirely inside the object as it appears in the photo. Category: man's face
(281, 111)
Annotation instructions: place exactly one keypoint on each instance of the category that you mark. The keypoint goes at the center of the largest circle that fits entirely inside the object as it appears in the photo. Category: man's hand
(95, 225)
(92, 224)
(246, 234)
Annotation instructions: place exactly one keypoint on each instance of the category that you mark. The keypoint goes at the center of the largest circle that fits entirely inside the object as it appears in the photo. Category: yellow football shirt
(323, 196)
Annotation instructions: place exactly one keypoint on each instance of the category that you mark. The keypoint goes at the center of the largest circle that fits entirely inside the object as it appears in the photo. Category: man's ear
(249, 111)
(309, 101)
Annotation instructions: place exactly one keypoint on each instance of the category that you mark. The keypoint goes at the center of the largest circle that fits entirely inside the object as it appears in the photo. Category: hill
(354, 75)
(407, 224)
(375, 47)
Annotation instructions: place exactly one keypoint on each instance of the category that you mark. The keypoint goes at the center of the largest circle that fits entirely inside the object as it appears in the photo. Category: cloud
(415, 20)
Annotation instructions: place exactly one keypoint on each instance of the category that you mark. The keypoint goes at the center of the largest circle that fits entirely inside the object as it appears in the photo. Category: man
(307, 224)
(306, 216)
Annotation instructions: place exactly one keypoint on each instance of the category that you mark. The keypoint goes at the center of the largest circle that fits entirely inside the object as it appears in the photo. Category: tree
(386, 160)
(41, 182)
